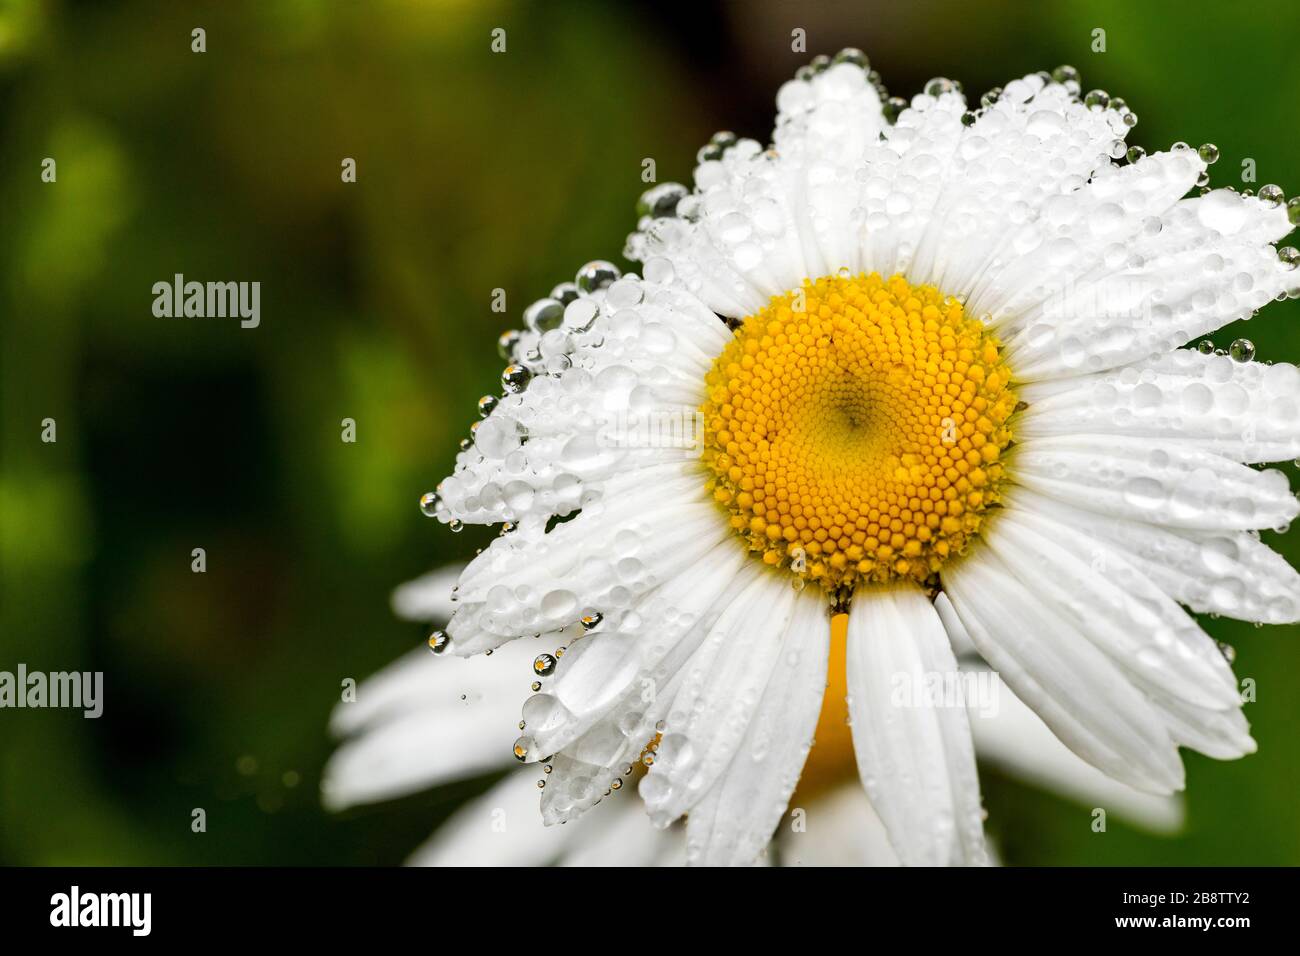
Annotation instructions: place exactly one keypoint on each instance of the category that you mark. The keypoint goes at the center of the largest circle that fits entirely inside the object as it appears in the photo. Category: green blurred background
(476, 171)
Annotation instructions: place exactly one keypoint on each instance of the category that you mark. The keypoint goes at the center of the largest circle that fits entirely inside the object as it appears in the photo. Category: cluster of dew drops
(567, 305)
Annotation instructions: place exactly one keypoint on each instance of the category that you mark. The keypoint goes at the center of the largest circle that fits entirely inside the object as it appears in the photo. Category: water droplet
(853, 55)
(624, 294)
(455, 525)
(1097, 98)
(591, 620)
(1241, 350)
(1145, 492)
(661, 201)
(544, 315)
(1228, 651)
(506, 344)
(429, 504)
(596, 275)
(709, 152)
(1065, 74)
(940, 85)
(1272, 194)
(1293, 211)
(564, 293)
(1135, 153)
(439, 642)
(1209, 153)
(523, 746)
(544, 665)
(580, 315)
(486, 404)
(515, 378)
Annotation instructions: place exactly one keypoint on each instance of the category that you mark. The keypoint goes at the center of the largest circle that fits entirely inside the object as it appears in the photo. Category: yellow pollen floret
(856, 430)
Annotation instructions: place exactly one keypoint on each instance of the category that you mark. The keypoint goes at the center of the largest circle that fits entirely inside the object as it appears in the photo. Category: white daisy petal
(1077, 690)
(605, 559)
(752, 794)
(1077, 233)
(905, 179)
(761, 223)
(635, 363)
(1246, 411)
(1160, 482)
(1015, 739)
(622, 837)
(591, 768)
(1221, 733)
(427, 598)
(626, 663)
(1105, 598)
(825, 126)
(499, 828)
(425, 720)
(719, 694)
(1018, 167)
(1090, 585)
(832, 117)
(596, 736)
(914, 754)
(962, 646)
(1204, 268)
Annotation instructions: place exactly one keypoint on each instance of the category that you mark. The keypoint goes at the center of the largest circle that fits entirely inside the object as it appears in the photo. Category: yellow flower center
(855, 430)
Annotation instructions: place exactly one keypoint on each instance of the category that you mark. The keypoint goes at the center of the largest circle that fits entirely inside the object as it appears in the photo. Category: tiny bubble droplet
(596, 275)
(515, 378)
(1097, 98)
(506, 344)
(1272, 194)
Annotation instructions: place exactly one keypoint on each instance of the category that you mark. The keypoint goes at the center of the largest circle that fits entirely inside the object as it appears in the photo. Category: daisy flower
(918, 364)
(423, 722)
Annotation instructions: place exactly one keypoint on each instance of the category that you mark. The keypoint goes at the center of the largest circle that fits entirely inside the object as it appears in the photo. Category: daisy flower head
(914, 371)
